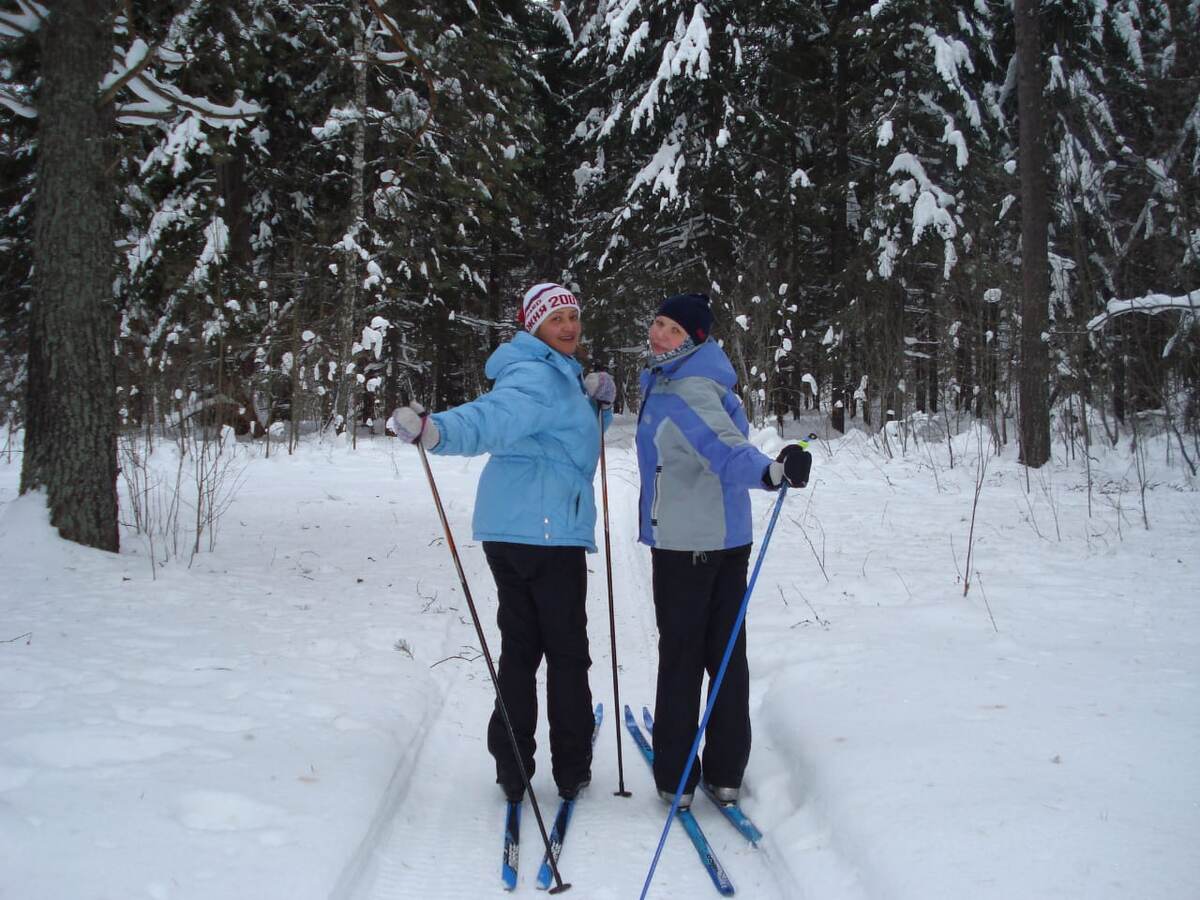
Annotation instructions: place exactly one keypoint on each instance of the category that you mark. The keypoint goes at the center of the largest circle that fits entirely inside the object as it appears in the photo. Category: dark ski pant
(542, 613)
(696, 601)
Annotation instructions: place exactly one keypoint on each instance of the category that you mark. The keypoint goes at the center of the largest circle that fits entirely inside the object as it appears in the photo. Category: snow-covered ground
(300, 713)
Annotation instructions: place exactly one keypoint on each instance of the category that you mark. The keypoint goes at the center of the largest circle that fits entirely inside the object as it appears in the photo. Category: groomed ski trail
(438, 832)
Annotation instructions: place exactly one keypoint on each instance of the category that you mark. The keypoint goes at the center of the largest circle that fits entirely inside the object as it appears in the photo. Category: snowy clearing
(300, 714)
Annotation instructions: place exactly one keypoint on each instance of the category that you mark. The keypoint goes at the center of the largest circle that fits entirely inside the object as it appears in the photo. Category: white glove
(774, 474)
(411, 424)
(601, 388)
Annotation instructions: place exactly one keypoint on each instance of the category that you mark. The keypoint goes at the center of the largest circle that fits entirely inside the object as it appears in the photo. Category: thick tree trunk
(1035, 275)
(71, 416)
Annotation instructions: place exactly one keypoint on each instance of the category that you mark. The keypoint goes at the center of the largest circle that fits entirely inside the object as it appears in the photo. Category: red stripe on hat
(549, 287)
(542, 306)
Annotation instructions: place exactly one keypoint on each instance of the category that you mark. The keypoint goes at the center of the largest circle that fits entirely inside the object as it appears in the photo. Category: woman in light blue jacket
(535, 512)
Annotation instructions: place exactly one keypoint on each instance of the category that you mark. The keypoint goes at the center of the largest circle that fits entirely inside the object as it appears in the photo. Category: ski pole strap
(715, 689)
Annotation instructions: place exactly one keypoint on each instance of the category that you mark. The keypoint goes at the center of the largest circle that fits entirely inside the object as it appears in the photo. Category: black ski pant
(696, 601)
(542, 613)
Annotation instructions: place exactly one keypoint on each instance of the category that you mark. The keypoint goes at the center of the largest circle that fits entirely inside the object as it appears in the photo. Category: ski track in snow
(451, 800)
(198, 729)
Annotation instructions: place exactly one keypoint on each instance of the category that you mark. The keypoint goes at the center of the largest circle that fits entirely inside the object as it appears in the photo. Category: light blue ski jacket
(697, 465)
(543, 433)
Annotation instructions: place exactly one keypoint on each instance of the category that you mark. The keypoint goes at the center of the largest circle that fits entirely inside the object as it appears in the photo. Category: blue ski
(512, 843)
(731, 811)
(713, 865)
(565, 807)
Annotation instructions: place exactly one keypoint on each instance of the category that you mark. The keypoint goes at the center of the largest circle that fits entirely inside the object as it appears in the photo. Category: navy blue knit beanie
(692, 312)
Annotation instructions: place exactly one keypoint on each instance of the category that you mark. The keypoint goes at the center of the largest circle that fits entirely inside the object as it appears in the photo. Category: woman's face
(665, 335)
(561, 330)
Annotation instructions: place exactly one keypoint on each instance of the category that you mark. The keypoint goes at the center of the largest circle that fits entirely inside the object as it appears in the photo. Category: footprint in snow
(13, 777)
(224, 811)
(21, 700)
(85, 747)
(159, 717)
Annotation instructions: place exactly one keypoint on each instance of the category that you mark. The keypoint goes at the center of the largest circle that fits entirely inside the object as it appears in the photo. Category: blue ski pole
(716, 687)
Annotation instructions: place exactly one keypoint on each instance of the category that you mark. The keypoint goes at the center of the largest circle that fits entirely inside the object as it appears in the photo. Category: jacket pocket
(561, 502)
(574, 510)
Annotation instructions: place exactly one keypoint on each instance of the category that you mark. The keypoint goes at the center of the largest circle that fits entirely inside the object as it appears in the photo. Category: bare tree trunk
(839, 239)
(493, 297)
(347, 386)
(1035, 276)
(294, 405)
(71, 414)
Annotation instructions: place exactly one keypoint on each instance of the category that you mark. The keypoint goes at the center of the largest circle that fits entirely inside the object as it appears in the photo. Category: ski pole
(612, 618)
(559, 886)
(715, 688)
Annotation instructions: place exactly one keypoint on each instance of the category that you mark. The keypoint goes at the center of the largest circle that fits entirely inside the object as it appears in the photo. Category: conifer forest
(283, 217)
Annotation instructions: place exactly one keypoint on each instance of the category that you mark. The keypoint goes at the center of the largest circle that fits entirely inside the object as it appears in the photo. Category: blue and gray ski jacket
(696, 462)
(543, 433)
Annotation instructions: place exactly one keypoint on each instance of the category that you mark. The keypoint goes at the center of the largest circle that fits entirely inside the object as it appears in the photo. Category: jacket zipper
(654, 505)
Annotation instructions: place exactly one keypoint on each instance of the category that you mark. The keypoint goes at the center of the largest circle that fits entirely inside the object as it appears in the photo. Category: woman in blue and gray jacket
(535, 512)
(697, 468)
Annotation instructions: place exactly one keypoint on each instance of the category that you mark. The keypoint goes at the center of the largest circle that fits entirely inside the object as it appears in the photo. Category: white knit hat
(541, 300)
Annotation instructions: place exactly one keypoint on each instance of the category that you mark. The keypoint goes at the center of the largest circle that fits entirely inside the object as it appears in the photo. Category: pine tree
(18, 69)
(659, 209)
(925, 138)
(1124, 100)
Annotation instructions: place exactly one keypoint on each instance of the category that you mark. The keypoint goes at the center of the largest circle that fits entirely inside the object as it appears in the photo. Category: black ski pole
(612, 618)
(559, 886)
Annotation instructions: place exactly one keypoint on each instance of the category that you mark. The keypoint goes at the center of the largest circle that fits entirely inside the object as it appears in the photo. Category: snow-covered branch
(405, 54)
(138, 57)
(25, 22)
(158, 100)
(563, 25)
(1150, 304)
(686, 55)
(15, 105)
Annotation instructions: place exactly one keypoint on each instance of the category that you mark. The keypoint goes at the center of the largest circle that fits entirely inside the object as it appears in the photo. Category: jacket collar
(671, 365)
(707, 360)
(524, 346)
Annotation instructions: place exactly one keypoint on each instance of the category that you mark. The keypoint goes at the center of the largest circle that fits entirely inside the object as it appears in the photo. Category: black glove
(793, 464)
